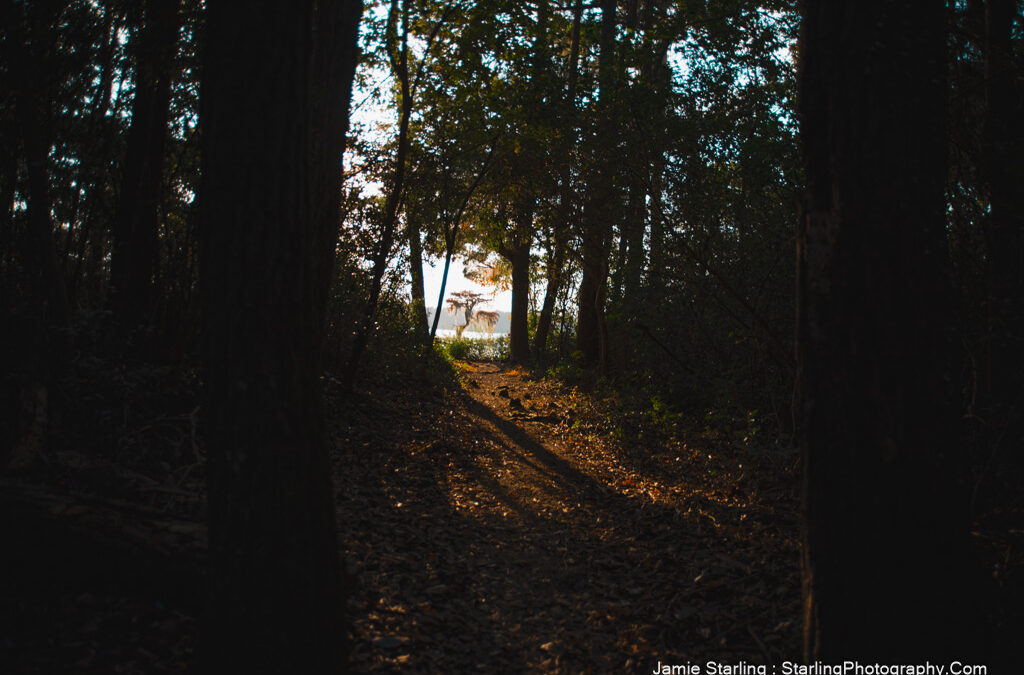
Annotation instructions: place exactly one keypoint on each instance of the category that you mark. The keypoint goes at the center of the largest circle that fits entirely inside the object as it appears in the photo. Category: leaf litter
(510, 525)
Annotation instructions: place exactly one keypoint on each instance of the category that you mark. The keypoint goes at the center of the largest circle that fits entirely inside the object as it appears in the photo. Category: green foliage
(566, 370)
(661, 413)
(454, 349)
(474, 349)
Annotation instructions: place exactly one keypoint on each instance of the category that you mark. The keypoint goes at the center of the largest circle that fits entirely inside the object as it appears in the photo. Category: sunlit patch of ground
(512, 526)
(466, 366)
(517, 371)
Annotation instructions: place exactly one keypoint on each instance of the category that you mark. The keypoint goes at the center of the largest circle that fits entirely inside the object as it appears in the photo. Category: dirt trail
(509, 527)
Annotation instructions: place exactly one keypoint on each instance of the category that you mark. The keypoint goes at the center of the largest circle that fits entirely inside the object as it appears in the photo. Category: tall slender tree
(134, 258)
(30, 49)
(1003, 160)
(885, 535)
(276, 89)
(516, 249)
(591, 336)
(557, 241)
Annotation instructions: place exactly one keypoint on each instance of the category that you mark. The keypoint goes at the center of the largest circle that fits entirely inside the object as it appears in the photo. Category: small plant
(661, 414)
(567, 371)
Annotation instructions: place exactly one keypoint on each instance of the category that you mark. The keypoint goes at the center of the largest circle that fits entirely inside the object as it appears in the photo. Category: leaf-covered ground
(498, 522)
(517, 525)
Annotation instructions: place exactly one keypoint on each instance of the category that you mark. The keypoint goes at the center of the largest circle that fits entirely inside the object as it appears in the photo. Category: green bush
(455, 348)
(477, 349)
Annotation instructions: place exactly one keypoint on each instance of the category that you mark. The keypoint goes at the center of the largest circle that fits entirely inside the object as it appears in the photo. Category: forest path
(517, 526)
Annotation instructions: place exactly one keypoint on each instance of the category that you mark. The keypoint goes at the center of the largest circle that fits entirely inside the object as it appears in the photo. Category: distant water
(470, 334)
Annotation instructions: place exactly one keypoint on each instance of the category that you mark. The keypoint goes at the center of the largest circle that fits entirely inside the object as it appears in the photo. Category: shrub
(477, 349)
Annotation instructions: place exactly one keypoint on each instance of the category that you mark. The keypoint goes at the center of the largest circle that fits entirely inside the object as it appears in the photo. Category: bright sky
(434, 268)
(377, 113)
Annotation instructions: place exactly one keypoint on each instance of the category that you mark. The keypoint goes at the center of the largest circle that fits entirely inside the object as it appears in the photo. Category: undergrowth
(475, 349)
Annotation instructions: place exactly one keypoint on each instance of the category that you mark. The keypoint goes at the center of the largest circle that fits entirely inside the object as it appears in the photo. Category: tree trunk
(596, 218)
(886, 519)
(8, 187)
(653, 284)
(276, 86)
(28, 53)
(1004, 169)
(587, 340)
(135, 244)
(94, 180)
(654, 287)
(555, 274)
(617, 261)
(440, 294)
(519, 336)
(419, 302)
(636, 225)
(518, 255)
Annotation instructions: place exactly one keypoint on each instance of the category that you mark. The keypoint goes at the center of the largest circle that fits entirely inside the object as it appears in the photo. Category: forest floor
(497, 520)
(516, 524)
(490, 519)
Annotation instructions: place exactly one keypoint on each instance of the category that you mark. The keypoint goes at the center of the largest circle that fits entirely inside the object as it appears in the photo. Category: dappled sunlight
(511, 517)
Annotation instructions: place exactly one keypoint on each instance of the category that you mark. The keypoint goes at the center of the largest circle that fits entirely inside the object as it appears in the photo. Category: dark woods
(884, 462)
(188, 267)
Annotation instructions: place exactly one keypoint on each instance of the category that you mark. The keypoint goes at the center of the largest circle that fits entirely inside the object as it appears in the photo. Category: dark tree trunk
(8, 255)
(590, 338)
(89, 277)
(133, 260)
(654, 286)
(419, 302)
(28, 52)
(660, 77)
(518, 255)
(617, 262)
(554, 278)
(1004, 169)
(91, 170)
(277, 80)
(519, 337)
(886, 519)
(440, 295)
(636, 225)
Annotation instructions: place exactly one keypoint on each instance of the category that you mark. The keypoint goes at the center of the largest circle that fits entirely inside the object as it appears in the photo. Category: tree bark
(28, 52)
(1004, 171)
(654, 285)
(419, 302)
(8, 187)
(554, 278)
(635, 226)
(276, 85)
(134, 257)
(596, 219)
(886, 519)
(519, 335)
